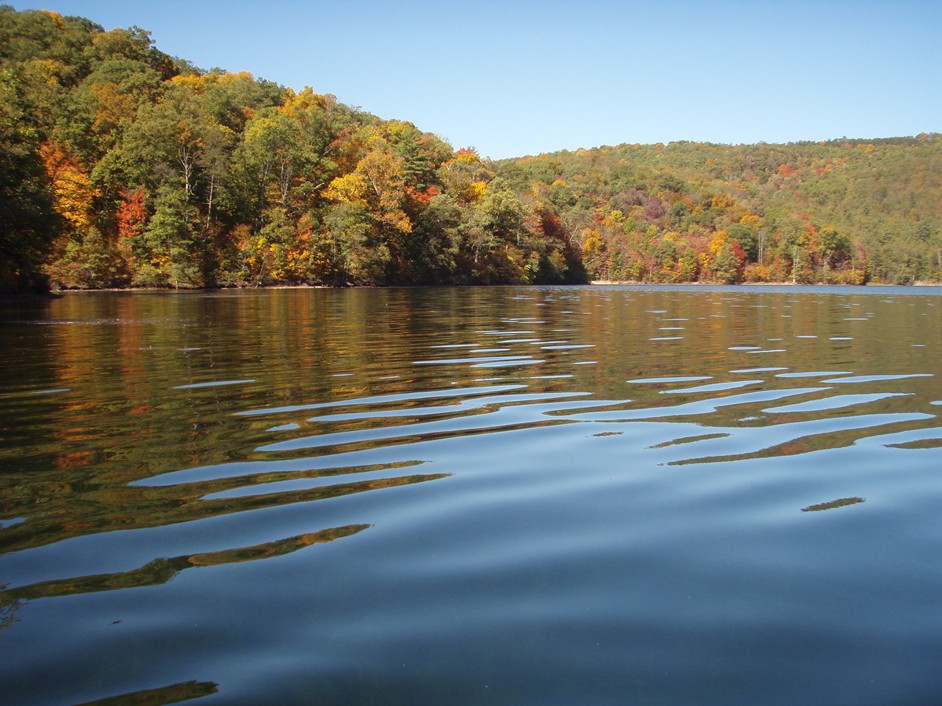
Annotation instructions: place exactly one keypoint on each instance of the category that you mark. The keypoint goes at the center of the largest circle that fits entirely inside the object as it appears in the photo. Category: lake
(588, 495)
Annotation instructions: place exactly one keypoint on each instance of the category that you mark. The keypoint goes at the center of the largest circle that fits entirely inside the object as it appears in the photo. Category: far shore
(635, 283)
(26, 296)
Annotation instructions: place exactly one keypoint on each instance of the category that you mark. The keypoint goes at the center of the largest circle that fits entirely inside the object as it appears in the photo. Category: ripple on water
(644, 544)
(492, 360)
(834, 402)
(393, 398)
(874, 378)
(667, 380)
(488, 419)
(213, 383)
(712, 387)
(746, 371)
(696, 408)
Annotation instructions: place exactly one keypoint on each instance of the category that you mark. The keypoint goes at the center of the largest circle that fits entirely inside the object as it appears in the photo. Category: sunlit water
(508, 495)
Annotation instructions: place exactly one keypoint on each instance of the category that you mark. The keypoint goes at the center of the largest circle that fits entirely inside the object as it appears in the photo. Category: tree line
(121, 166)
(836, 212)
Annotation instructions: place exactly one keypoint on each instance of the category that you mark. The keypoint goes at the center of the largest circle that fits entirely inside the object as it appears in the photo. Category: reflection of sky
(591, 481)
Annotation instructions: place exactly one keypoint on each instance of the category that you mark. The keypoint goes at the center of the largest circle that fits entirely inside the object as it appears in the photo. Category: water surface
(511, 495)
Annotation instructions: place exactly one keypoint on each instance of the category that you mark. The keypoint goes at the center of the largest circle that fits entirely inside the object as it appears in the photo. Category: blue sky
(512, 78)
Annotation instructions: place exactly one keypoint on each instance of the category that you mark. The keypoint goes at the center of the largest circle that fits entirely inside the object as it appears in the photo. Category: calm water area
(588, 495)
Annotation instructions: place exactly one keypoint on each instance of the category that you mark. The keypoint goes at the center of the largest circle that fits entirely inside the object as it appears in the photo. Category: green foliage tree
(28, 220)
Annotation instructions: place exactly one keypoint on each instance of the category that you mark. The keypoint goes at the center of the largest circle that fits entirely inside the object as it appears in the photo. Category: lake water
(593, 495)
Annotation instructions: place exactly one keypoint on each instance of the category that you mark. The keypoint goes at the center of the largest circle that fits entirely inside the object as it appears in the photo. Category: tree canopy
(842, 211)
(121, 166)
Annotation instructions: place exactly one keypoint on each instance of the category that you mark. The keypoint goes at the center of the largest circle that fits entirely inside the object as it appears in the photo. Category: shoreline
(635, 283)
(55, 293)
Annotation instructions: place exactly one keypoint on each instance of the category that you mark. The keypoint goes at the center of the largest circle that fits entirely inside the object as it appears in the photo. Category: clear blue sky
(511, 78)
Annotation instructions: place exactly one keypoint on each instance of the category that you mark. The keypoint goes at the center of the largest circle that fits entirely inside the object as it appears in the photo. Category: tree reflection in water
(162, 570)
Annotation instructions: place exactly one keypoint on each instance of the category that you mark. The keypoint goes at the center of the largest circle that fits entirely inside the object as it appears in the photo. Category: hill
(840, 211)
(121, 166)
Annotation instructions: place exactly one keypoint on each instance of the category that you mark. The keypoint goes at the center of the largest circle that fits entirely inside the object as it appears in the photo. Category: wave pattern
(509, 460)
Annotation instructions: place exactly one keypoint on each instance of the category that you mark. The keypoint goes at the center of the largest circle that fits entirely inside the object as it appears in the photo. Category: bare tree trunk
(209, 203)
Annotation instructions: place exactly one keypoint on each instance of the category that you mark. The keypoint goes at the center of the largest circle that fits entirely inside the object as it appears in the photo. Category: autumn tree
(121, 165)
(28, 220)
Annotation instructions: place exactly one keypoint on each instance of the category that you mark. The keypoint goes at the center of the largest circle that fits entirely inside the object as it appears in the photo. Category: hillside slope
(838, 211)
(121, 166)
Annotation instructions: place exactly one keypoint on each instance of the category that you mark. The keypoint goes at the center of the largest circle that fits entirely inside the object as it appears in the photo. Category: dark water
(516, 496)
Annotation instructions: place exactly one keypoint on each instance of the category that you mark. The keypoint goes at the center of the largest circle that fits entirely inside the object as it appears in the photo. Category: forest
(123, 167)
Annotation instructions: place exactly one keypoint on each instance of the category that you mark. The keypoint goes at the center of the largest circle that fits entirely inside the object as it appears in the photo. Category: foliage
(121, 166)
(845, 211)
(28, 221)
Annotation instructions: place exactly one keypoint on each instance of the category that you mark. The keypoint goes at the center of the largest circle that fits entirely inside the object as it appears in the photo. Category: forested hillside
(844, 211)
(121, 166)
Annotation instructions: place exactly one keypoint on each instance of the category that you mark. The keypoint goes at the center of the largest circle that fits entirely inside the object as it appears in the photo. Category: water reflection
(162, 570)
(830, 505)
(590, 446)
(141, 507)
(171, 694)
(88, 436)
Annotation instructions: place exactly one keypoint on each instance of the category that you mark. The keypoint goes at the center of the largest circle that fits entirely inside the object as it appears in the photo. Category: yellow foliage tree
(751, 220)
(382, 171)
(717, 242)
(74, 193)
(466, 176)
(349, 188)
(476, 191)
